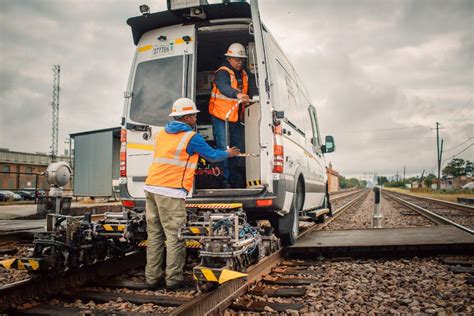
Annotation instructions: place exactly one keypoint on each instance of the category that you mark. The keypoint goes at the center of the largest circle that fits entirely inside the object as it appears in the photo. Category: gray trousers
(164, 215)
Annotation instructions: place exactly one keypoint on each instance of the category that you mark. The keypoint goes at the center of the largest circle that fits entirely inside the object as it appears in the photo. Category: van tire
(288, 225)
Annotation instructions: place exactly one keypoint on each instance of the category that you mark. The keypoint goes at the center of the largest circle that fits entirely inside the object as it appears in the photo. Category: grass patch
(451, 196)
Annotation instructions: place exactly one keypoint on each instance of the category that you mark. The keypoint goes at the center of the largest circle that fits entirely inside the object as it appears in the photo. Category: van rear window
(158, 83)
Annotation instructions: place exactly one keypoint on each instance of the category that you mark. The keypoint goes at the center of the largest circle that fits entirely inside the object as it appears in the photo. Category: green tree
(457, 167)
(469, 168)
(382, 180)
(348, 183)
(429, 180)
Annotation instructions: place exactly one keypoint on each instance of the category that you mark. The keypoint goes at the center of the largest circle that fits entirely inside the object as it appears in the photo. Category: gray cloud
(381, 73)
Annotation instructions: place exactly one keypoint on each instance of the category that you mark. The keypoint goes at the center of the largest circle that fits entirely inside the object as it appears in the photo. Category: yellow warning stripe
(139, 146)
(7, 263)
(253, 183)
(20, 264)
(181, 40)
(33, 264)
(193, 244)
(209, 275)
(198, 230)
(109, 227)
(144, 48)
(189, 243)
(215, 205)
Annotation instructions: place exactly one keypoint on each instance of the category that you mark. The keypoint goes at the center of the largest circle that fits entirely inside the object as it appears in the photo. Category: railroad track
(340, 195)
(440, 212)
(208, 303)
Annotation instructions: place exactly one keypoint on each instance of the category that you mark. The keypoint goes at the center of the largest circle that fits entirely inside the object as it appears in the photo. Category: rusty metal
(17, 293)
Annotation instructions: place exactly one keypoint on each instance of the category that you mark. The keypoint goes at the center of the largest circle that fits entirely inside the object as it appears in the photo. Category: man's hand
(232, 152)
(244, 98)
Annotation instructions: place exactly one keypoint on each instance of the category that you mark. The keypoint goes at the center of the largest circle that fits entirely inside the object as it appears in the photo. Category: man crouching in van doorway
(231, 83)
(170, 178)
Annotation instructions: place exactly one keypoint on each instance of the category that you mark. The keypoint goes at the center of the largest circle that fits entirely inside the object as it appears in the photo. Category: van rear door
(163, 71)
(266, 119)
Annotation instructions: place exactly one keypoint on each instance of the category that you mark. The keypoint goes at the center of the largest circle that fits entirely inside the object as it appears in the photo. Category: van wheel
(288, 226)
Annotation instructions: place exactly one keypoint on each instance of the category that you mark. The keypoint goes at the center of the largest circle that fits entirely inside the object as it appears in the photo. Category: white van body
(176, 56)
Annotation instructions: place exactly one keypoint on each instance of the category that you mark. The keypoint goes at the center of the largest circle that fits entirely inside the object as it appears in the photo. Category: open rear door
(164, 70)
(266, 119)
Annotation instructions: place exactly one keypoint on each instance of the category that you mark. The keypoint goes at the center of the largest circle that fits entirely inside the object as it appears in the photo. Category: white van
(177, 53)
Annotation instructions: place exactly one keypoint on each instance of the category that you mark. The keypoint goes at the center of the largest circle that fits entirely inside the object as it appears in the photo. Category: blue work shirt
(196, 144)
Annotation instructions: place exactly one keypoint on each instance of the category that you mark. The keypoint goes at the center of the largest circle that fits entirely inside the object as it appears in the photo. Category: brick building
(333, 178)
(20, 170)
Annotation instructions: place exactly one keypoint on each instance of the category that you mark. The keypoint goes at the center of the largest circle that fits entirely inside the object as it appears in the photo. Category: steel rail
(43, 286)
(429, 214)
(341, 195)
(457, 206)
(215, 302)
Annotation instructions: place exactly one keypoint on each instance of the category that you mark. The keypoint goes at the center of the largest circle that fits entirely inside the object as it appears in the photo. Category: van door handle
(137, 127)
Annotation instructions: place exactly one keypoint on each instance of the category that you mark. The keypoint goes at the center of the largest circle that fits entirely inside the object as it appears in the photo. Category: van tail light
(278, 152)
(123, 152)
(264, 203)
(128, 203)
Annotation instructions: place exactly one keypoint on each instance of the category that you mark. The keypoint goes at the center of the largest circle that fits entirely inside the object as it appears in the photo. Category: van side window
(287, 93)
(314, 125)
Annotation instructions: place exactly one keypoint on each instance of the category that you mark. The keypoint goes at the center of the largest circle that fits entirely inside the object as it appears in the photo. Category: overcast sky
(381, 73)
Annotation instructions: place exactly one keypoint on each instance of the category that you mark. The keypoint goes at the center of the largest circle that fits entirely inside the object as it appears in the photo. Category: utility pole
(55, 111)
(439, 149)
(404, 169)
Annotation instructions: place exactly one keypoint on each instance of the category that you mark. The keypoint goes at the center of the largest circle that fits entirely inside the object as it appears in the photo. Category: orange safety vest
(219, 104)
(172, 166)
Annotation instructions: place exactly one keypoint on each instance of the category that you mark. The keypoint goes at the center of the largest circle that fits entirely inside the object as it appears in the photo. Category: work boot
(176, 286)
(161, 283)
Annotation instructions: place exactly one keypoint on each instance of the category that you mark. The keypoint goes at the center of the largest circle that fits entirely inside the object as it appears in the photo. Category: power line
(459, 110)
(459, 145)
(459, 152)
(379, 129)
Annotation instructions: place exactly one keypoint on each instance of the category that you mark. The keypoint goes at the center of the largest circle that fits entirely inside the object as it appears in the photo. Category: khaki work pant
(164, 215)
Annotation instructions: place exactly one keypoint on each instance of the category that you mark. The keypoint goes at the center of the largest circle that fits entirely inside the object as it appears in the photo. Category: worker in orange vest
(170, 178)
(231, 83)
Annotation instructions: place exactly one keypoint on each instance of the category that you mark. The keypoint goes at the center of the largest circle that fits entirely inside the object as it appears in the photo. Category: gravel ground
(405, 286)
(118, 305)
(11, 276)
(394, 215)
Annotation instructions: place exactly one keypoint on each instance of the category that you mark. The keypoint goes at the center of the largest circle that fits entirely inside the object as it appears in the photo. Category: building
(333, 178)
(20, 170)
(96, 162)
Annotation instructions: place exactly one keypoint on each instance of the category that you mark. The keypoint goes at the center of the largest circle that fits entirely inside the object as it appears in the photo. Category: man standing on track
(170, 178)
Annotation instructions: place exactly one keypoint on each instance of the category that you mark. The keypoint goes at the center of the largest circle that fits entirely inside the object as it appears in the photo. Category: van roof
(142, 24)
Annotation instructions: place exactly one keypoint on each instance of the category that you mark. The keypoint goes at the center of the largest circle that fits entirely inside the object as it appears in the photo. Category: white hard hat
(183, 106)
(236, 50)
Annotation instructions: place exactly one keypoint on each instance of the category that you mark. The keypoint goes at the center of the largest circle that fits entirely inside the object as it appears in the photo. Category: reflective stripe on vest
(172, 166)
(219, 104)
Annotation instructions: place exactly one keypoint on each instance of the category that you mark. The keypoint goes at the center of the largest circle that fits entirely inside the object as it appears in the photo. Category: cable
(379, 129)
(458, 144)
(459, 110)
(459, 152)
